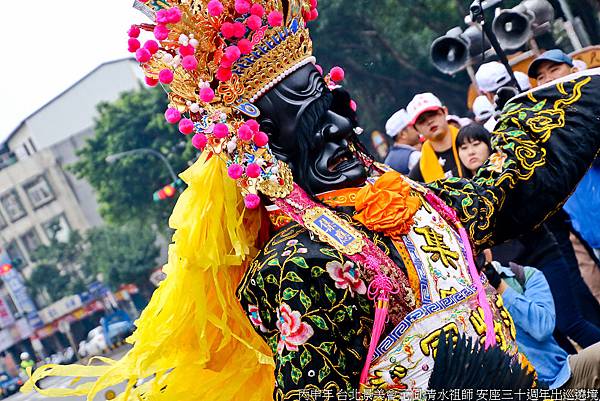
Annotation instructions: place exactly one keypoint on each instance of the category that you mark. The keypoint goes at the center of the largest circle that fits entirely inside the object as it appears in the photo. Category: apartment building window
(58, 227)
(12, 206)
(31, 241)
(39, 191)
(16, 255)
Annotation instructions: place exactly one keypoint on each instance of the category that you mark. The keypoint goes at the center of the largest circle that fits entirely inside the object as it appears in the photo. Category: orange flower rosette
(387, 206)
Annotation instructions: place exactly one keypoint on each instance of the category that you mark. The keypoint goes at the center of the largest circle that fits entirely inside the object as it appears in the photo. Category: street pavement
(56, 382)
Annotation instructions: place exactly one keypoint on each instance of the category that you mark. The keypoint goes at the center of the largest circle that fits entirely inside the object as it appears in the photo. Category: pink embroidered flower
(346, 276)
(286, 253)
(293, 331)
(255, 318)
(291, 242)
(302, 250)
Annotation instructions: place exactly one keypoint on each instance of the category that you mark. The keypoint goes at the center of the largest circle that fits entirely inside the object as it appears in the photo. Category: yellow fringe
(193, 338)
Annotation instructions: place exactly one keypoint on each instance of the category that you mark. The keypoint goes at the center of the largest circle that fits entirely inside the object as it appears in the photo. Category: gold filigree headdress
(216, 58)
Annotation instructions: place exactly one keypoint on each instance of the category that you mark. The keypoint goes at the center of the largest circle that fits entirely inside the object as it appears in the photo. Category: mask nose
(336, 127)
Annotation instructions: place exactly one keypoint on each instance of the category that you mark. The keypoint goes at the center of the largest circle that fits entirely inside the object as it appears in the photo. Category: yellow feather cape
(193, 338)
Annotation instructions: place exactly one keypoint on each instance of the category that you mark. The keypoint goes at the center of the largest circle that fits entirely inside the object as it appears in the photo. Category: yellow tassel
(193, 338)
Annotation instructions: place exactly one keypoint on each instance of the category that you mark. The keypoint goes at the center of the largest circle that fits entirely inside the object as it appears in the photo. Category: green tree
(125, 254)
(124, 188)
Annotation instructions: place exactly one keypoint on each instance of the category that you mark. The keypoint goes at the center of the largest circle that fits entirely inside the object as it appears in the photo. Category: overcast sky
(49, 45)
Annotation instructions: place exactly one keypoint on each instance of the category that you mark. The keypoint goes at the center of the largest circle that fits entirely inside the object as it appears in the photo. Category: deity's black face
(309, 128)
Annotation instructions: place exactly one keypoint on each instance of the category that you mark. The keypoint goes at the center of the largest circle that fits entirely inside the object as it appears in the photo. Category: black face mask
(310, 128)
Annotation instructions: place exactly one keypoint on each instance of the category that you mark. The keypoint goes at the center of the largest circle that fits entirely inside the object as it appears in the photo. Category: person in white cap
(483, 109)
(490, 77)
(439, 156)
(403, 156)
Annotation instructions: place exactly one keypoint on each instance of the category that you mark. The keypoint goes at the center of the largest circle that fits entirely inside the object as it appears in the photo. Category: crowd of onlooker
(549, 278)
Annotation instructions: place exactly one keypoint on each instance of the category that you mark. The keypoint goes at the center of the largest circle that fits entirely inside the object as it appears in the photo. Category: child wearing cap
(403, 156)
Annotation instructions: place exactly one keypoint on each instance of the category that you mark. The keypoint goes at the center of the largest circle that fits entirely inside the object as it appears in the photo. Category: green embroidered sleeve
(544, 143)
(310, 306)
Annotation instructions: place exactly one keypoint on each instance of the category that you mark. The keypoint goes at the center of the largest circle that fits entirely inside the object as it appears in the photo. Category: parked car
(119, 331)
(9, 384)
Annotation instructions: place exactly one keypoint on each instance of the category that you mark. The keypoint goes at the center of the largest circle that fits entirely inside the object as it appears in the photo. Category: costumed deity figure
(298, 264)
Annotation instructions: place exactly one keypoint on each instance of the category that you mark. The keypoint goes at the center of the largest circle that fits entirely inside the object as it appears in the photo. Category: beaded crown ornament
(215, 58)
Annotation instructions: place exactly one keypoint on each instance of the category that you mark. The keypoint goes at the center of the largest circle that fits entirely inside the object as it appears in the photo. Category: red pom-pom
(239, 30)
(214, 7)
(133, 44)
(251, 201)
(186, 50)
(161, 32)
(189, 63)
(220, 130)
(165, 76)
(172, 115)
(134, 31)
(275, 18)
(254, 22)
(199, 141)
(162, 16)
(227, 30)
(151, 81)
(232, 53)
(143, 55)
(253, 125)
(352, 105)
(314, 14)
(245, 46)
(244, 133)
(186, 126)
(242, 6)
(257, 10)
(235, 171)
(319, 68)
(207, 94)
(261, 139)
(151, 45)
(226, 63)
(253, 170)
(223, 74)
(336, 74)
(174, 15)
(313, 3)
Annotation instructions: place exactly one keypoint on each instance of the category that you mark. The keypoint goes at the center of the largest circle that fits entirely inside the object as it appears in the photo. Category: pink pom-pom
(223, 74)
(134, 31)
(215, 8)
(186, 50)
(199, 141)
(189, 63)
(251, 201)
(232, 53)
(275, 18)
(319, 68)
(227, 30)
(143, 55)
(151, 81)
(220, 130)
(261, 139)
(235, 171)
(314, 14)
(254, 22)
(172, 115)
(313, 3)
(186, 126)
(239, 29)
(165, 76)
(133, 44)
(207, 94)
(162, 16)
(336, 74)
(257, 10)
(174, 15)
(225, 63)
(151, 45)
(244, 133)
(253, 125)
(253, 170)
(161, 32)
(242, 6)
(245, 46)
(352, 105)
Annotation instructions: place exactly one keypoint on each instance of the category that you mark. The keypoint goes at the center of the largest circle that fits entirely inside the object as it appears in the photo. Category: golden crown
(215, 58)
